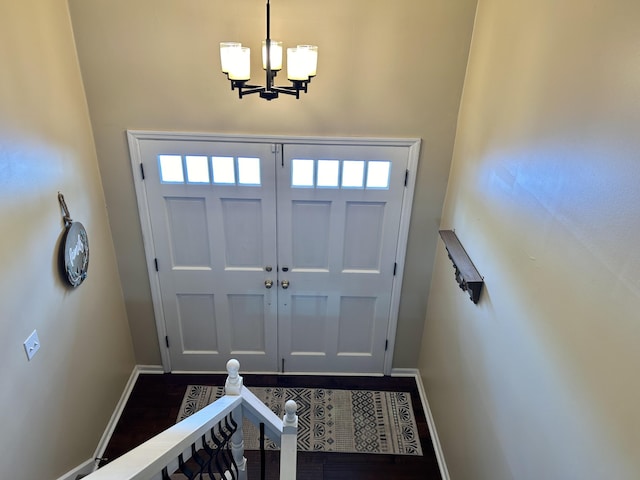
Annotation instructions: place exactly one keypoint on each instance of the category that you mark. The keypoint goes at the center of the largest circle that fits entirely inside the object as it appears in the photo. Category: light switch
(32, 345)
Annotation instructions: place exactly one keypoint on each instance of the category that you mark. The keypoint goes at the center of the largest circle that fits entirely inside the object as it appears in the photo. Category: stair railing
(210, 443)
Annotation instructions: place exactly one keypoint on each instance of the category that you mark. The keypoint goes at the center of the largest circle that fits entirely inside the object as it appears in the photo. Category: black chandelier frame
(270, 91)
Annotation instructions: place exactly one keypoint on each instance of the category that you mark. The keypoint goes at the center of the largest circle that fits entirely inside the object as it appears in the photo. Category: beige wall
(56, 406)
(540, 379)
(389, 69)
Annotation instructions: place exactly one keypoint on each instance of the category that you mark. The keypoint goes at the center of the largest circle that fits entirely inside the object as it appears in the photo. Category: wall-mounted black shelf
(467, 276)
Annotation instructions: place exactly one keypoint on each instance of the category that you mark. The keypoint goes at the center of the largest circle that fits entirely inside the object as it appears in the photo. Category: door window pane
(302, 173)
(353, 173)
(197, 169)
(171, 169)
(328, 173)
(378, 174)
(248, 171)
(223, 170)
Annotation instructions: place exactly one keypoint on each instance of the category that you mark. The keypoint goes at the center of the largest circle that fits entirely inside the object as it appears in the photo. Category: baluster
(199, 459)
(230, 426)
(233, 386)
(237, 450)
(262, 454)
(219, 441)
(186, 471)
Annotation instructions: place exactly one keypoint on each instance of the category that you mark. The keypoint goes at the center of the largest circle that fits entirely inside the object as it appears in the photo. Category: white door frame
(134, 138)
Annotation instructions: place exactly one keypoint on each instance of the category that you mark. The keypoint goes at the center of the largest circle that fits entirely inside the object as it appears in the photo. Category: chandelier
(302, 62)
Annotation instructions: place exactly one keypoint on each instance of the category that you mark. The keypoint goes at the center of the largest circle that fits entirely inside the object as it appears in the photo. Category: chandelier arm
(249, 89)
(294, 89)
(287, 91)
(297, 85)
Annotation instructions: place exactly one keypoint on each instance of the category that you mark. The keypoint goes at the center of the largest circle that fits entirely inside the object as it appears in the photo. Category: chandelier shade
(275, 55)
(302, 66)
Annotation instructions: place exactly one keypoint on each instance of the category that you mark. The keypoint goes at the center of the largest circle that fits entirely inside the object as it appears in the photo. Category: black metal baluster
(227, 432)
(218, 450)
(262, 455)
(184, 469)
(198, 459)
(206, 449)
(165, 474)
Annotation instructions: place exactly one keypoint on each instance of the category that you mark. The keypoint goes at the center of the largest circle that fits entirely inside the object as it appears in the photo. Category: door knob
(268, 283)
(285, 284)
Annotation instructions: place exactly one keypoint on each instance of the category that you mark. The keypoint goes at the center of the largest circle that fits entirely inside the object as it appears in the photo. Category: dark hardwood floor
(155, 400)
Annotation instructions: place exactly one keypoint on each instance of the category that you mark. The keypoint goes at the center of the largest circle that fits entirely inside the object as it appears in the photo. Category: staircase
(209, 444)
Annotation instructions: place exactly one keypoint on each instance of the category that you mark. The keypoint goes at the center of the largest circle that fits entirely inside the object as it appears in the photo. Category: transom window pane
(302, 173)
(353, 173)
(171, 168)
(248, 171)
(223, 170)
(378, 174)
(328, 173)
(197, 169)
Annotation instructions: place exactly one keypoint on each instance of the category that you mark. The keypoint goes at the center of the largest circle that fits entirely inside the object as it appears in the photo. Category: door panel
(363, 236)
(212, 241)
(188, 232)
(194, 314)
(356, 325)
(337, 240)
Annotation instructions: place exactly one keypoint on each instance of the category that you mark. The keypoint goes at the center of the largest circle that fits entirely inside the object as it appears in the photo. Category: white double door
(279, 255)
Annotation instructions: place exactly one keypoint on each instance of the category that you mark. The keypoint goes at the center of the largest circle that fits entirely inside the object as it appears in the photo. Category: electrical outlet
(32, 345)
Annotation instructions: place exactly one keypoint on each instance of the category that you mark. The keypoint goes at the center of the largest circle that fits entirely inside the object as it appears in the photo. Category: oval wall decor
(76, 254)
(75, 248)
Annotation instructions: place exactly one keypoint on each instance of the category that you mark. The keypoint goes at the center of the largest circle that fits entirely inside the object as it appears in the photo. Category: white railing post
(288, 444)
(233, 386)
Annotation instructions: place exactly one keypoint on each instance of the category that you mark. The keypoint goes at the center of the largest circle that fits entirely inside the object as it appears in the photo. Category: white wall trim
(135, 155)
(91, 465)
(404, 372)
(413, 372)
(401, 251)
(124, 398)
(82, 469)
(135, 137)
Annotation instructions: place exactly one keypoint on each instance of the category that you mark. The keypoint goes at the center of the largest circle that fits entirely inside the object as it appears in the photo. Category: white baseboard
(154, 369)
(92, 464)
(404, 372)
(413, 372)
(308, 374)
(83, 469)
(106, 436)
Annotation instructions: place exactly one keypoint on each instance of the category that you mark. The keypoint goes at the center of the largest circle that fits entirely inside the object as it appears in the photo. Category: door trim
(134, 137)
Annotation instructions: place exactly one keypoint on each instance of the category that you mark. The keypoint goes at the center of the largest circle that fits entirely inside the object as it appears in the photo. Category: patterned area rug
(347, 421)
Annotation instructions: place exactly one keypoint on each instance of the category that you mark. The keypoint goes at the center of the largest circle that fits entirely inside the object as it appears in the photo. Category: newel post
(233, 386)
(289, 442)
